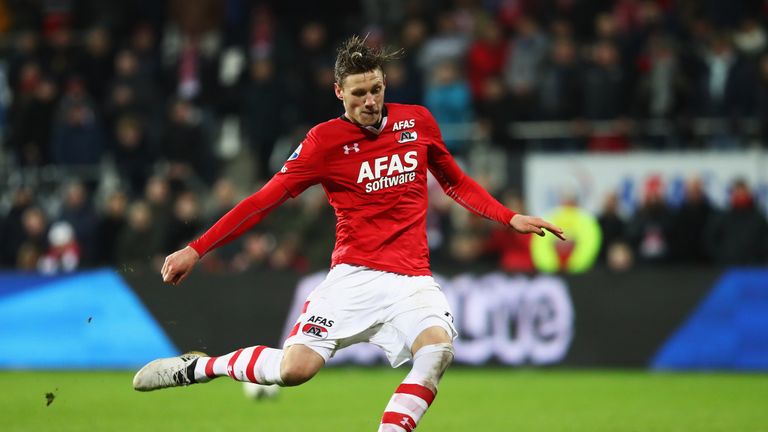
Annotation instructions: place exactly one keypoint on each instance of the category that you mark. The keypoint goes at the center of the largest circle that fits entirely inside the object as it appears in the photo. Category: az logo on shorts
(315, 331)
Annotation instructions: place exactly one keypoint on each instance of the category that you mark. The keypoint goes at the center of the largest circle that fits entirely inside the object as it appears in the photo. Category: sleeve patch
(296, 153)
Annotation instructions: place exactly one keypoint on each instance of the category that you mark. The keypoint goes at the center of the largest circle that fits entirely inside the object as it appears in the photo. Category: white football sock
(257, 364)
(414, 396)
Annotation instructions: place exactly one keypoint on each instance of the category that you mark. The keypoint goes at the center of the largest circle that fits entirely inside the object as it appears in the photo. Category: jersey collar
(375, 129)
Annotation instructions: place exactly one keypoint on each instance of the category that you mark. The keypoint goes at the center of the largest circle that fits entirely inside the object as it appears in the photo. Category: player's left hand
(532, 224)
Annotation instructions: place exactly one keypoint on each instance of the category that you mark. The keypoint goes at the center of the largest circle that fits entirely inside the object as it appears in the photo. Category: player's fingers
(169, 275)
(558, 234)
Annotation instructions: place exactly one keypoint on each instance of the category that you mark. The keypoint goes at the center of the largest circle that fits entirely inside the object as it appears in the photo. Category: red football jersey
(376, 180)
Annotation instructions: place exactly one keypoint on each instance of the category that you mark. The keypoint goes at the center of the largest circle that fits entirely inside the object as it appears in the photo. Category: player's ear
(337, 90)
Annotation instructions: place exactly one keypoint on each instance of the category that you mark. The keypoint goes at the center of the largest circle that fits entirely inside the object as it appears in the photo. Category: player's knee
(295, 373)
(299, 365)
(446, 355)
(439, 356)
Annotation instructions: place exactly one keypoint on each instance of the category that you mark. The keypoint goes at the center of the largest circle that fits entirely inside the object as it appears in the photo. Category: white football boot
(167, 372)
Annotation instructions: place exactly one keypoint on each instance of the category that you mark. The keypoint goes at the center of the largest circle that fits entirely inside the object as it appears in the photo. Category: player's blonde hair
(353, 56)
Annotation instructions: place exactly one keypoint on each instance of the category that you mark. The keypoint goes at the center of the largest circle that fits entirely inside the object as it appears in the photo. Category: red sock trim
(231, 364)
(209, 368)
(249, 371)
(417, 390)
(399, 419)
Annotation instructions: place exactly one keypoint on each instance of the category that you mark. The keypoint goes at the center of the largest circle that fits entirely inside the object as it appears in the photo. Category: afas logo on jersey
(402, 124)
(387, 166)
(296, 153)
(388, 171)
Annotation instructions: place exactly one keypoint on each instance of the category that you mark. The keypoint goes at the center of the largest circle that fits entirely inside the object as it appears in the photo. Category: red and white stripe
(242, 365)
(406, 407)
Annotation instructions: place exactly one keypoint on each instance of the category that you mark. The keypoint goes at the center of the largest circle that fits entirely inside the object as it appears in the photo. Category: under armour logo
(406, 423)
(354, 147)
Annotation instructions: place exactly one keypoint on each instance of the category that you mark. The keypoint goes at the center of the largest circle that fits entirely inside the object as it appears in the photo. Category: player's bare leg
(432, 353)
(258, 364)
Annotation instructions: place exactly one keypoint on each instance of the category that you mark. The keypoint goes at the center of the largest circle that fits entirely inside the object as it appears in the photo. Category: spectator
(95, 63)
(739, 235)
(143, 45)
(63, 254)
(77, 138)
(26, 50)
(59, 54)
(12, 226)
(138, 244)
(186, 222)
(496, 111)
(722, 86)
(264, 113)
(525, 57)
(131, 91)
(77, 211)
(401, 87)
(578, 253)
(760, 95)
(31, 117)
(191, 51)
(448, 45)
(33, 242)
(661, 89)
(604, 95)
(650, 229)
(690, 221)
(750, 39)
(159, 199)
(449, 100)
(187, 144)
(133, 157)
(412, 39)
(559, 92)
(110, 223)
(612, 225)
(486, 58)
(256, 249)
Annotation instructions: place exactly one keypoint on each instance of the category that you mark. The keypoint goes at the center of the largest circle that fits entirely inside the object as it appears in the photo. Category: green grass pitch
(352, 399)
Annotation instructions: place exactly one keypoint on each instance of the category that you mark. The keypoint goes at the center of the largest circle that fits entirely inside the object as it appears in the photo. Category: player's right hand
(178, 265)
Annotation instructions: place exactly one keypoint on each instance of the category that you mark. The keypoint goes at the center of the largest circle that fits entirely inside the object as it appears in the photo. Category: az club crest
(315, 331)
(406, 136)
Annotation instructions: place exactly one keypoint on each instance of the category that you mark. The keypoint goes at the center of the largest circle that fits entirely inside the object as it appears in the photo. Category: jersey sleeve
(242, 217)
(458, 185)
(302, 168)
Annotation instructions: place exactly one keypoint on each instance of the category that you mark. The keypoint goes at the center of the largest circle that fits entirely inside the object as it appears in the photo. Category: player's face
(363, 96)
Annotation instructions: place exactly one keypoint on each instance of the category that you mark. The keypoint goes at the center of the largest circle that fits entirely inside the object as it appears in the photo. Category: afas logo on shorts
(317, 326)
(316, 319)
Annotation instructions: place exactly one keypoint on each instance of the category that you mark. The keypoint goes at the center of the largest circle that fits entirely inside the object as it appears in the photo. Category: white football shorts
(358, 304)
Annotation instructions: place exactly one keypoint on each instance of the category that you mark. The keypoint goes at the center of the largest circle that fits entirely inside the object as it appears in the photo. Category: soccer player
(372, 162)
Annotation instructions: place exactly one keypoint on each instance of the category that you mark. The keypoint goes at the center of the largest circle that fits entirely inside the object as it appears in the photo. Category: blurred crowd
(129, 126)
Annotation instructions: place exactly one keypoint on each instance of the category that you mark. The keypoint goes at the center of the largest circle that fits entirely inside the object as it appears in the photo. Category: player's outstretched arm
(536, 225)
(178, 265)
